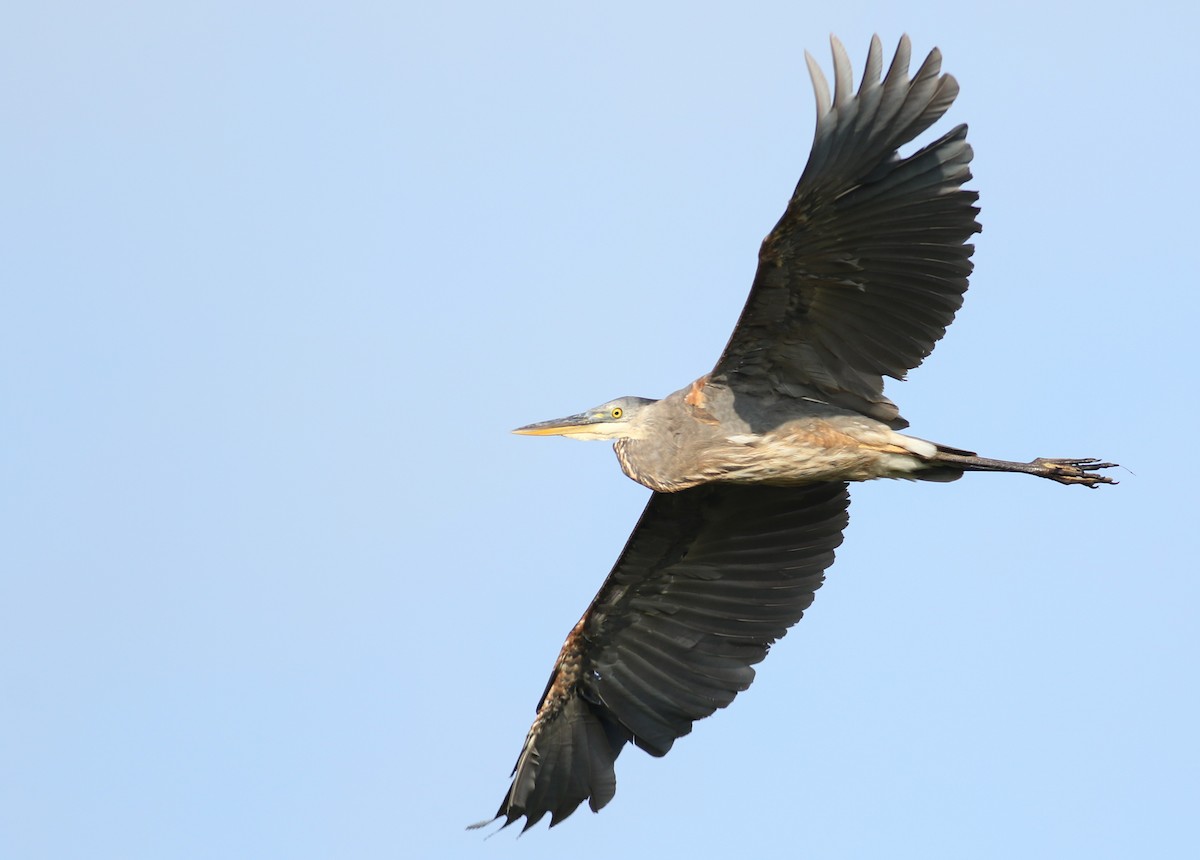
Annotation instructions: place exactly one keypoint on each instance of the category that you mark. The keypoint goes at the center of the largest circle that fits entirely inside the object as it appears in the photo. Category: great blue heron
(749, 463)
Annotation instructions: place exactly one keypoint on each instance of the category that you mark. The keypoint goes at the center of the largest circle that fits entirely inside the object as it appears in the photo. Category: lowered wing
(710, 577)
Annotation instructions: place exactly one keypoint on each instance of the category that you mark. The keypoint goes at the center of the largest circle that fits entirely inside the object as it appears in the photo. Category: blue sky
(277, 581)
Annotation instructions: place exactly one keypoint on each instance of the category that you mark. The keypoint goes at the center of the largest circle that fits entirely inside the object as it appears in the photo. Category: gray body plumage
(697, 435)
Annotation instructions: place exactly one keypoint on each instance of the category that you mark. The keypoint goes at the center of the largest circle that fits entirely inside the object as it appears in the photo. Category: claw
(1075, 470)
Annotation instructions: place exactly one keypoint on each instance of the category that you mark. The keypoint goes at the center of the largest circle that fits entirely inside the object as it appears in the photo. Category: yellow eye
(617, 412)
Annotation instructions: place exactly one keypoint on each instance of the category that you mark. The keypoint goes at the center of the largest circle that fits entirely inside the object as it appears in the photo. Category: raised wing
(710, 577)
(869, 263)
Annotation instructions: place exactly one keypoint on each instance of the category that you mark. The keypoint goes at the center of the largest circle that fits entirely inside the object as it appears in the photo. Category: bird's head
(616, 419)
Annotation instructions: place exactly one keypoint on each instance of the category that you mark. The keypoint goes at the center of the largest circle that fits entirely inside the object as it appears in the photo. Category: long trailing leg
(1069, 470)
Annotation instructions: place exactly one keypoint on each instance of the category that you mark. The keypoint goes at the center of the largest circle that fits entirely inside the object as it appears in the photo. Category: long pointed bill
(569, 426)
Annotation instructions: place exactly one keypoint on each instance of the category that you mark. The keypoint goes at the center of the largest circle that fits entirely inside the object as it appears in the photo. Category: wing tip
(569, 756)
(819, 84)
(843, 73)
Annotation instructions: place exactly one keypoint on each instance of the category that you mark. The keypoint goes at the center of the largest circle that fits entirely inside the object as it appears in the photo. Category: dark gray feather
(710, 577)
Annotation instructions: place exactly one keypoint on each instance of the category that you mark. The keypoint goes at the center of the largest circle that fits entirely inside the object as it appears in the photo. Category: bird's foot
(1073, 470)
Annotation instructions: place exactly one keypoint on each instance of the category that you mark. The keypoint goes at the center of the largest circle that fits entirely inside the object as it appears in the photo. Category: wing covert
(710, 577)
(869, 262)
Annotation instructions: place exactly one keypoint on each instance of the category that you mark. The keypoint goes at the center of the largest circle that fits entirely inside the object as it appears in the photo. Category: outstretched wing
(710, 577)
(869, 263)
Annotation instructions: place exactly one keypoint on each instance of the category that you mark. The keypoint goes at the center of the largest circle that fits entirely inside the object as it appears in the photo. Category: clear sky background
(278, 278)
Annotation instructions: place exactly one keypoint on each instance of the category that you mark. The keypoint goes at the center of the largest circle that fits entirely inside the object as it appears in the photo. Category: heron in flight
(749, 464)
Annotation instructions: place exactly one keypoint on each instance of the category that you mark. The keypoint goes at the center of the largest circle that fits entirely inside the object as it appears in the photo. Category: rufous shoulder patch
(695, 397)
